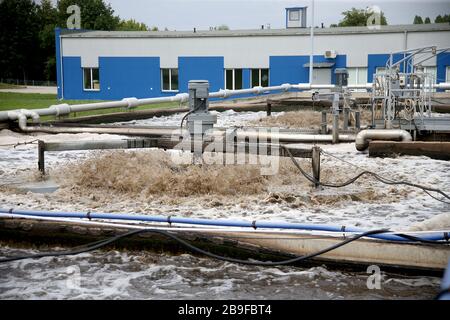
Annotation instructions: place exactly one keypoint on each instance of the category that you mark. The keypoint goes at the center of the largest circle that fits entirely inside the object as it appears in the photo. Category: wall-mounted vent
(330, 54)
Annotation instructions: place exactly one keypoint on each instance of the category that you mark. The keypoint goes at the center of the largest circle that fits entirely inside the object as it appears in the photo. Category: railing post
(315, 157)
(269, 108)
(41, 158)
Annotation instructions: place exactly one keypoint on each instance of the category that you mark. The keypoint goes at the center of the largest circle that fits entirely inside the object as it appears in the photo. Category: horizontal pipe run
(218, 222)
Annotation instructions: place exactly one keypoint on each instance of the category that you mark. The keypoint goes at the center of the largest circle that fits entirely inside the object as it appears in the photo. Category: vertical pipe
(312, 44)
(316, 165)
(41, 159)
(324, 123)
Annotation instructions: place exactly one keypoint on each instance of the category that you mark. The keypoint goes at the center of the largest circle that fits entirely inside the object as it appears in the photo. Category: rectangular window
(169, 79)
(91, 79)
(447, 76)
(380, 70)
(357, 75)
(432, 73)
(294, 15)
(233, 79)
(260, 77)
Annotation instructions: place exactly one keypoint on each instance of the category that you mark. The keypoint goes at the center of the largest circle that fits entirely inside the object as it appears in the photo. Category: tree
(418, 20)
(427, 20)
(48, 19)
(442, 19)
(222, 27)
(359, 17)
(95, 14)
(131, 25)
(19, 40)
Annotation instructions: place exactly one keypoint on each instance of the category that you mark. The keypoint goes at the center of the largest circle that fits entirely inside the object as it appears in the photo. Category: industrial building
(107, 65)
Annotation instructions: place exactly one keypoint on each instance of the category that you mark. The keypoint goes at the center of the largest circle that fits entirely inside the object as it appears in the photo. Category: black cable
(99, 244)
(373, 174)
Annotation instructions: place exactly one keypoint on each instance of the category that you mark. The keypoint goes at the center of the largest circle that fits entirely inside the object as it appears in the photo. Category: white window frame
(234, 78)
(170, 80)
(260, 76)
(92, 79)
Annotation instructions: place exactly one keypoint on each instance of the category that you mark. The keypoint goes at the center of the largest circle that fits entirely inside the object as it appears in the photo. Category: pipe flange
(60, 109)
(132, 102)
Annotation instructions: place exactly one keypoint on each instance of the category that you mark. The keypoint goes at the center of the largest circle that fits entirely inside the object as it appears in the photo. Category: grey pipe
(363, 137)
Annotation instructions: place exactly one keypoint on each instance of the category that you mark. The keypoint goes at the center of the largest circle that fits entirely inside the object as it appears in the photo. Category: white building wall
(250, 51)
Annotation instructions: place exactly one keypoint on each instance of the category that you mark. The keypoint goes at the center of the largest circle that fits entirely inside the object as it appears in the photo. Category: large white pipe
(363, 137)
(65, 109)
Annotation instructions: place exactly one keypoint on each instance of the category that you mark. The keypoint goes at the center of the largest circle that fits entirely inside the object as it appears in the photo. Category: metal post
(316, 165)
(357, 120)
(346, 114)
(269, 109)
(41, 159)
(324, 123)
(311, 59)
(335, 108)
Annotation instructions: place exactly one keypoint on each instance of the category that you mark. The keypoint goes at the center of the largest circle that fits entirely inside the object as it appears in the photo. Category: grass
(10, 86)
(13, 100)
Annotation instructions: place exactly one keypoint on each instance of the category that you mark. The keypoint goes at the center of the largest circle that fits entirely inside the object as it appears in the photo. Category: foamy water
(124, 275)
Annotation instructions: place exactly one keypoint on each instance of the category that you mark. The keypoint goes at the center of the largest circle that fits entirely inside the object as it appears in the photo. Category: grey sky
(251, 14)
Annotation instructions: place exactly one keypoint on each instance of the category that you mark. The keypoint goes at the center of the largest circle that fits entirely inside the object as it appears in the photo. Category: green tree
(19, 40)
(48, 19)
(95, 14)
(358, 17)
(222, 27)
(442, 19)
(131, 25)
(427, 20)
(418, 20)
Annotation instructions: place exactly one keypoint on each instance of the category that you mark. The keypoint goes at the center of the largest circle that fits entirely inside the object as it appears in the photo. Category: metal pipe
(434, 236)
(363, 137)
(242, 134)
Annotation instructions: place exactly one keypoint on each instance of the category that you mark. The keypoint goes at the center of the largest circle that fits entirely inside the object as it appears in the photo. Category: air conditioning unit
(330, 54)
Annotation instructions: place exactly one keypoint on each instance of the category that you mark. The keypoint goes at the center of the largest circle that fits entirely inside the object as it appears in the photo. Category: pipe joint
(363, 137)
(182, 97)
(132, 102)
(60, 109)
(286, 86)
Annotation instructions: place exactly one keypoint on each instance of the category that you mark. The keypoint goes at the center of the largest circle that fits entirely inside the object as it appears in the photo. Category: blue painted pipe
(436, 236)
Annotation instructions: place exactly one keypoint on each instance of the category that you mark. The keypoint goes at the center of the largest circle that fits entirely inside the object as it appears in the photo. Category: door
(322, 76)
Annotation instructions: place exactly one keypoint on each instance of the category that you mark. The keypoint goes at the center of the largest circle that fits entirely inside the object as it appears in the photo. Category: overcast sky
(251, 14)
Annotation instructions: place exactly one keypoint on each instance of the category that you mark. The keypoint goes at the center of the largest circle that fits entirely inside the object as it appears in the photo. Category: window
(294, 15)
(447, 76)
(169, 79)
(357, 75)
(91, 79)
(380, 70)
(432, 73)
(233, 79)
(260, 77)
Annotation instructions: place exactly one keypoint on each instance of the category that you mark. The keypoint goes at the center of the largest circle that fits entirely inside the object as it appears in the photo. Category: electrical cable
(365, 172)
(99, 244)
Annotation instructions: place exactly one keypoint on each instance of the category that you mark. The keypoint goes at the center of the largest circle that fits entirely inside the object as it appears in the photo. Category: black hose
(373, 174)
(99, 244)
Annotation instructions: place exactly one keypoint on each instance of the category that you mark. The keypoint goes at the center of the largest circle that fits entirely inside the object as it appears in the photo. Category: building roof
(261, 32)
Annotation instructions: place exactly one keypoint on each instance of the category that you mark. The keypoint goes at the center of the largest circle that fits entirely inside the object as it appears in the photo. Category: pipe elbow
(363, 137)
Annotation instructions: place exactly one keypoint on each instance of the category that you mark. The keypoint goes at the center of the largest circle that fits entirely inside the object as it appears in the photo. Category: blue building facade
(86, 74)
